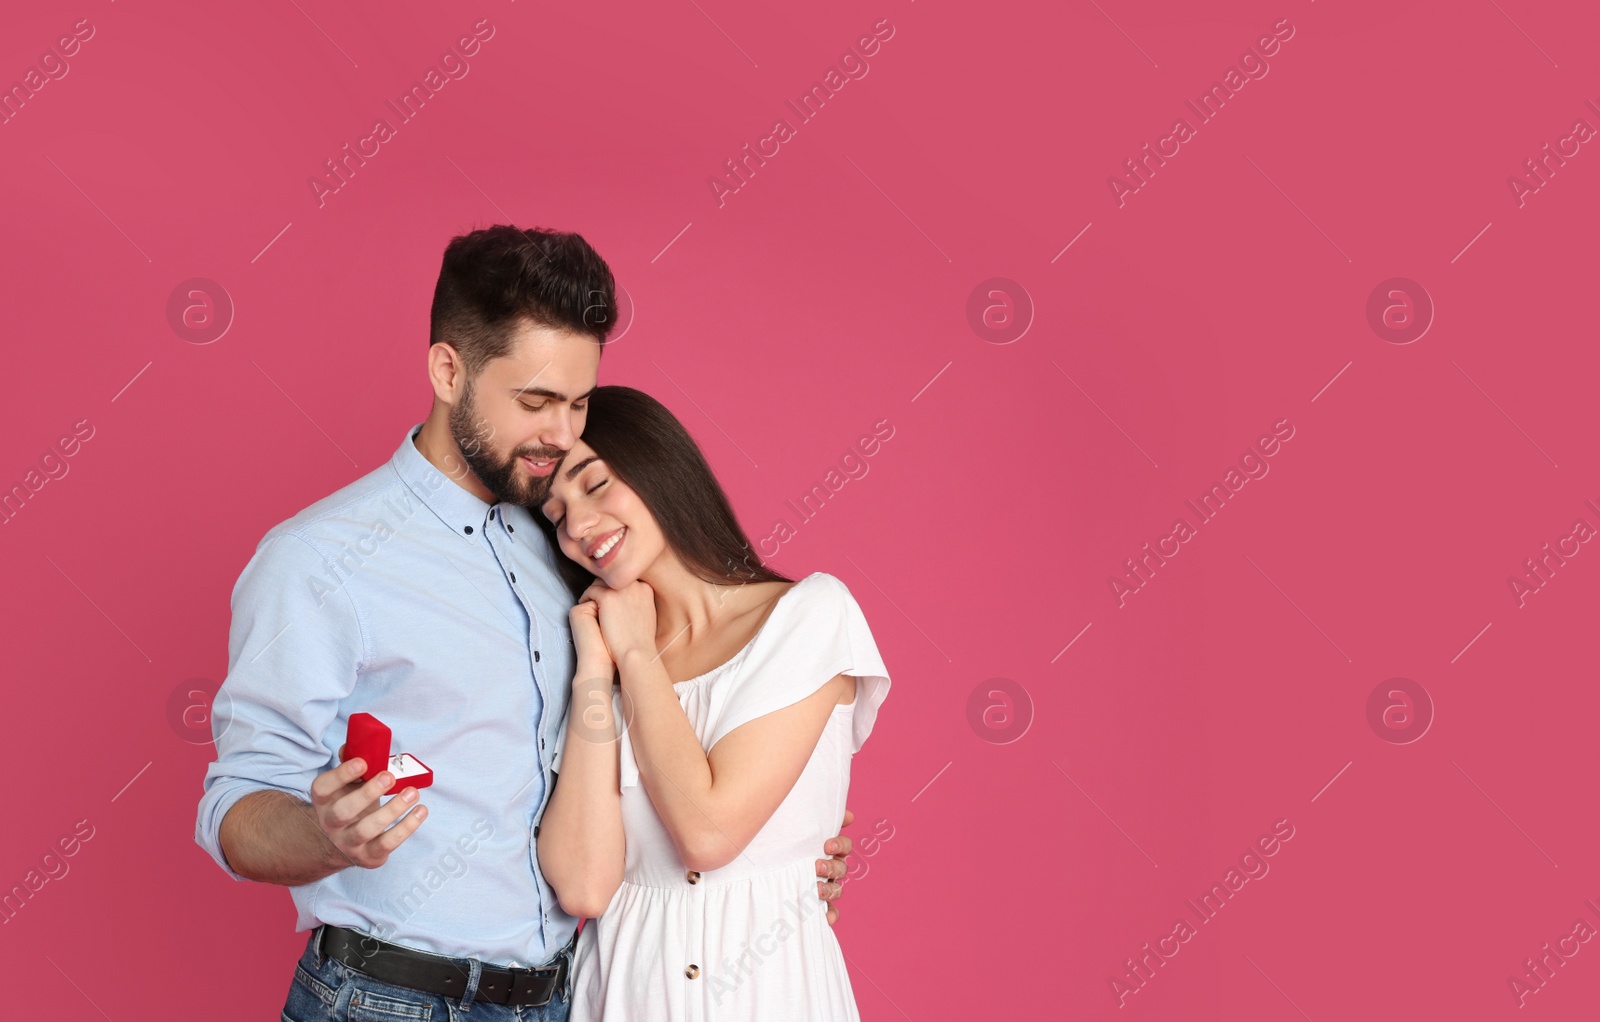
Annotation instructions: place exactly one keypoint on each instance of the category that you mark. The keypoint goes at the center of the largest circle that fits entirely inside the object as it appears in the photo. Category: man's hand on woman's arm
(833, 869)
(275, 838)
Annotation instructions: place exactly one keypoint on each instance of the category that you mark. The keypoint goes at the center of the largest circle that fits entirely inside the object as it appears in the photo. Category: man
(425, 594)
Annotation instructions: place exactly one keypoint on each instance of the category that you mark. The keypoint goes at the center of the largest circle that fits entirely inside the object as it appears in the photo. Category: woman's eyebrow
(580, 466)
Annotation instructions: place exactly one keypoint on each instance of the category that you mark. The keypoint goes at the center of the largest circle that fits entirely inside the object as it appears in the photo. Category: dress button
(694, 876)
(692, 971)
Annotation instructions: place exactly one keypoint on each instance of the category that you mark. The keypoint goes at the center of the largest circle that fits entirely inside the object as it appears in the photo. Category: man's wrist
(333, 860)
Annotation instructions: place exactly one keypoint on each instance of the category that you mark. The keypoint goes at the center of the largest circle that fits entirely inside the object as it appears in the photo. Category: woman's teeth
(605, 548)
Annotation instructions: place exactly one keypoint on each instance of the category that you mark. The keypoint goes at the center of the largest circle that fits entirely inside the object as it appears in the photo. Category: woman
(690, 840)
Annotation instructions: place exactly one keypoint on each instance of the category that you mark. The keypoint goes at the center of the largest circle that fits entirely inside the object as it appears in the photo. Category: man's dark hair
(495, 277)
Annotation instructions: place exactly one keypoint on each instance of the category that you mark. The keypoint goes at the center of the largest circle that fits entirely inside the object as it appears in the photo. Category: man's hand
(347, 811)
(834, 869)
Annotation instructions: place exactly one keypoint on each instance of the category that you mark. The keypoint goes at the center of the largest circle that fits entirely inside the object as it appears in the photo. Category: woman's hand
(594, 657)
(627, 618)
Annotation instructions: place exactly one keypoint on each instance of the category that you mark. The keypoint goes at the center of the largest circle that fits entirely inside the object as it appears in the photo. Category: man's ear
(447, 372)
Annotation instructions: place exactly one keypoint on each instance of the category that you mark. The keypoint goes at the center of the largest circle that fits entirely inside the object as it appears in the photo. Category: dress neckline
(736, 656)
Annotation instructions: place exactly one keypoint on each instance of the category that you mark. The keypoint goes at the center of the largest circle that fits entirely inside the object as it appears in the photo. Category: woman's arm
(714, 805)
(580, 846)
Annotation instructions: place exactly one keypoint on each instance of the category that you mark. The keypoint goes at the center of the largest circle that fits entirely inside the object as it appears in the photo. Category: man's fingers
(352, 807)
(331, 783)
(373, 824)
(831, 869)
(390, 839)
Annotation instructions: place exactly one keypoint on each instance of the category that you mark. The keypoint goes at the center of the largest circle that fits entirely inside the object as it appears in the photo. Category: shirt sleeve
(295, 646)
(824, 635)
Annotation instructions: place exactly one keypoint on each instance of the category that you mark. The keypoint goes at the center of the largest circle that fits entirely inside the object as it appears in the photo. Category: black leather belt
(441, 974)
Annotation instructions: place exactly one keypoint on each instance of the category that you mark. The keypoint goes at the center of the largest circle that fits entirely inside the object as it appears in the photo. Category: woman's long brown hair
(649, 450)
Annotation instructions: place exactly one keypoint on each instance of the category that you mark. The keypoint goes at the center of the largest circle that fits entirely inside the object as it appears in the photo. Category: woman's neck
(687, 606)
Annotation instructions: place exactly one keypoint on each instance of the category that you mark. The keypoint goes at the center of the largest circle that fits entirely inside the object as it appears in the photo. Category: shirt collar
(463, 512)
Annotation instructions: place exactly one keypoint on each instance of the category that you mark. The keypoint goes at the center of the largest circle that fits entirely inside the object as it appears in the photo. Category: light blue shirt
(408, 597)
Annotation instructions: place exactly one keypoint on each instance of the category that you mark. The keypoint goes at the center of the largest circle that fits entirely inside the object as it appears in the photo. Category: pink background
(1162, 737)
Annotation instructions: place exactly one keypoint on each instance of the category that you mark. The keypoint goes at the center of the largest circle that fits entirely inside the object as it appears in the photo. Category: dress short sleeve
(816, 631)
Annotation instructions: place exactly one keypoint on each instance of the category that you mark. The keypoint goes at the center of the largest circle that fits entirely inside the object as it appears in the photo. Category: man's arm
(273, 809)
(272, 837)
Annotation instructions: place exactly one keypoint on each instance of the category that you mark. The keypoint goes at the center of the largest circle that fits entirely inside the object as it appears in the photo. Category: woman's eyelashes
(557, 522)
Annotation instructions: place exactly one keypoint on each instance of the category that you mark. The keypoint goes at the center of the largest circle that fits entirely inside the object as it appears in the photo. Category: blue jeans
(325, 990)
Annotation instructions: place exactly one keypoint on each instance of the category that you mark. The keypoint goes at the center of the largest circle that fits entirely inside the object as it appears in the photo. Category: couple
(541, 543)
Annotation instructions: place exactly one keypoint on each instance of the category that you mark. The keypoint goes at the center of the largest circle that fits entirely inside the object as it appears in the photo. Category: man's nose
(559, 434)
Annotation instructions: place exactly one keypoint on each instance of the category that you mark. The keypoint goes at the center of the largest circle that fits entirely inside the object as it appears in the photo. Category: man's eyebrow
(547, 392)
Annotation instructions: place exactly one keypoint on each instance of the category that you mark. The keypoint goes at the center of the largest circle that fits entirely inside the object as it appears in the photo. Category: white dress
(749, 941)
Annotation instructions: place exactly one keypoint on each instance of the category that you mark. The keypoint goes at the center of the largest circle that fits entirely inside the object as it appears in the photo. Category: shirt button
(469, 530)
(535, 652)
(510, 527)
(692, 971)
(492, 513)
(513, 576)
(694, 876)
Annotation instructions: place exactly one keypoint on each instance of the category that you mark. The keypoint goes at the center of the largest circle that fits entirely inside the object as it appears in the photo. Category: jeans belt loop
(474, 974)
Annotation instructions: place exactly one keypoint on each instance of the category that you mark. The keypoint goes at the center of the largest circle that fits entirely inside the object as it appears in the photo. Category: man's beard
(501, 478)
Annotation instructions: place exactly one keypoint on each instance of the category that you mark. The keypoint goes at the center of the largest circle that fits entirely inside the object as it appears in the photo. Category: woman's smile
(604, 552)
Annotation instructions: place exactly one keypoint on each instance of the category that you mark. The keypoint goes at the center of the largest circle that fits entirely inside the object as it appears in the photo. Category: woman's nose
(580, 523)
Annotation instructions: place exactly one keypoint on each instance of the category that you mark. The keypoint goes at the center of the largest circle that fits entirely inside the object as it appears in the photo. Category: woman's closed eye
(593, 489)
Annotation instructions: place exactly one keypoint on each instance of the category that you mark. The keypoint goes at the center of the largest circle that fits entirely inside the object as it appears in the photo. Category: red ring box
(370, 738)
